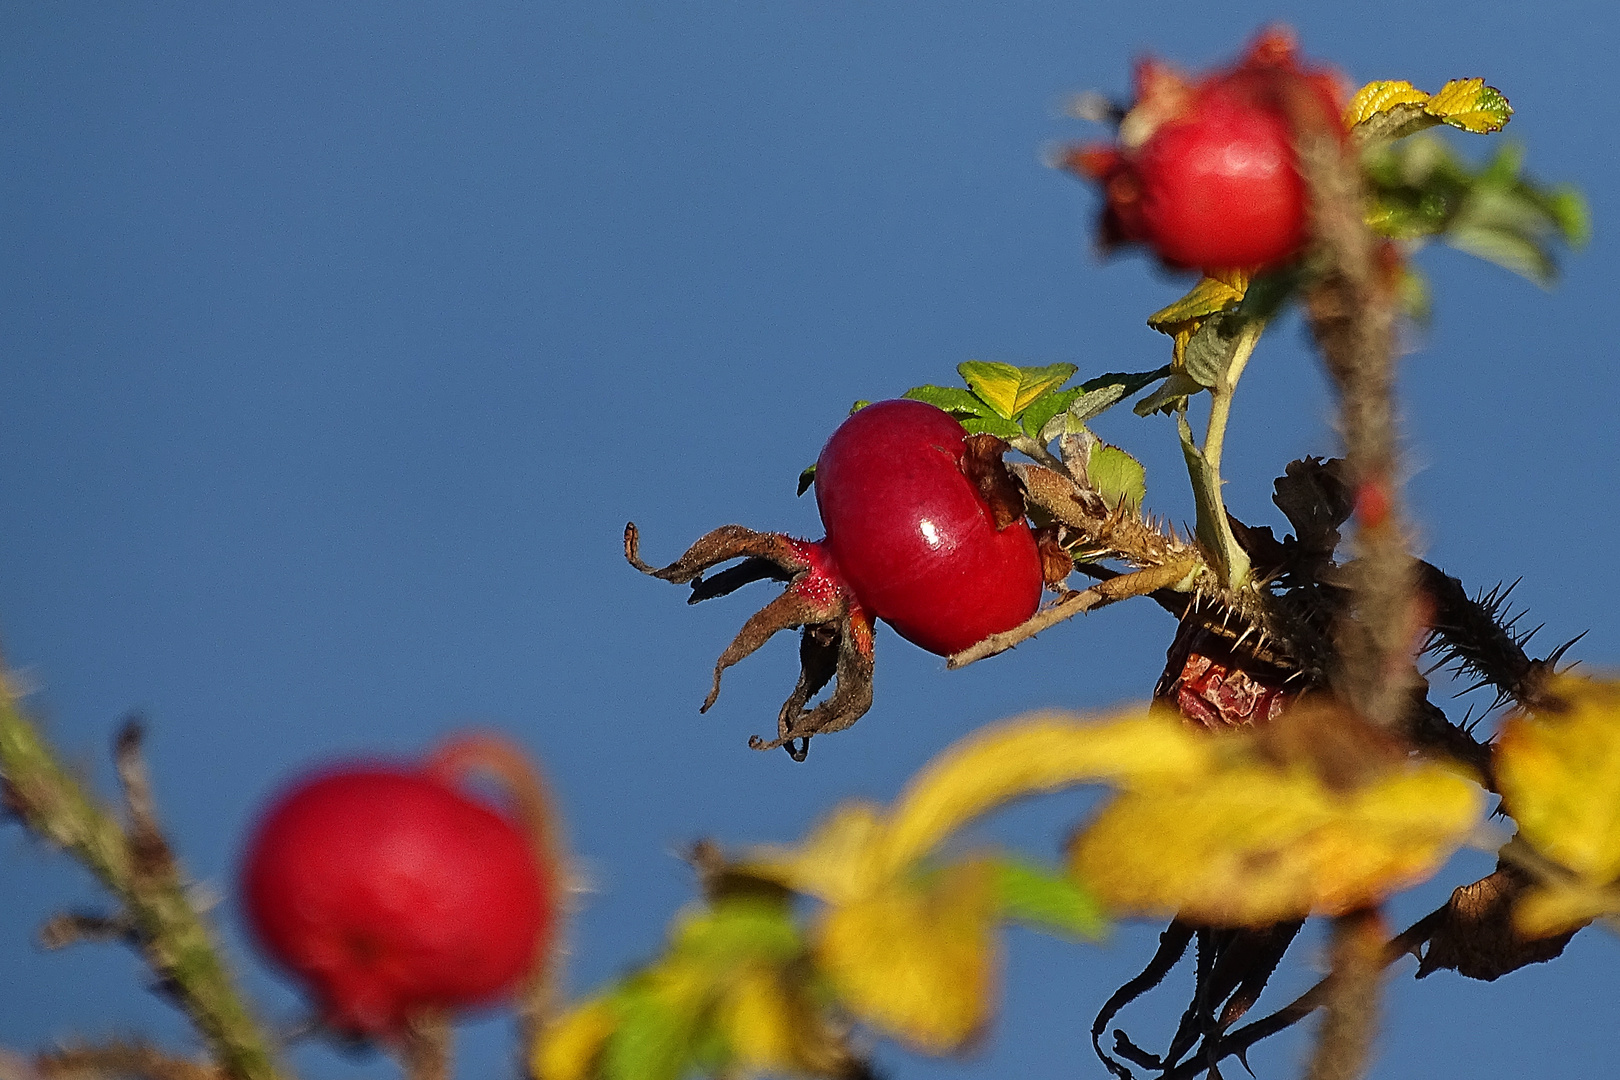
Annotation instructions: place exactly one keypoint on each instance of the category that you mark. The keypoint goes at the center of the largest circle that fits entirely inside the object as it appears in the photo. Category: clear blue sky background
(340, 340)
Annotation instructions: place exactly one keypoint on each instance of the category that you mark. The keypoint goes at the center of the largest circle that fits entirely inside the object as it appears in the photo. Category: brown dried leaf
(1476, 937)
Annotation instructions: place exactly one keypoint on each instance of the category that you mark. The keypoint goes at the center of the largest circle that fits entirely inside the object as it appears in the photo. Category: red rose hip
(913, 538)
(389, 891)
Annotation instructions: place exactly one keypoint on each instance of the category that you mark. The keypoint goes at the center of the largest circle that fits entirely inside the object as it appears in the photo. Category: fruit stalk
(135, 864)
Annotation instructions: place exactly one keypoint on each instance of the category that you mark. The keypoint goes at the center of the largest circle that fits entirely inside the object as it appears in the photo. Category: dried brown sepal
(982, 465)
(72, 927)
(1474, 934)
(836, 644)
(786, 612)
(715, 547)
(827, 651)
(1056, 562)
(1315, 499)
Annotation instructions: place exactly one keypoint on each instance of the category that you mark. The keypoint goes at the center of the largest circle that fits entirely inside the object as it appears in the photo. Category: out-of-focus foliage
(1310, 817)
(1559, 771)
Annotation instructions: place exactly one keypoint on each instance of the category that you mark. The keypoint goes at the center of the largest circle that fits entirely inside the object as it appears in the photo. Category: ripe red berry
(912, 537)
(390, 891)
(1205, 173)
(910, 540)
(1219, 187)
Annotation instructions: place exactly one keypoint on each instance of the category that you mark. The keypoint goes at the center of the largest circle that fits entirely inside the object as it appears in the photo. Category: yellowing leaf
(1214, 293)
(568, 1048)
(1552, 908)
(840, 860)
(1030, 756)
(1381, 96)
(1559, 773)
(1383, 111)
(1471, 105)
(916, 961)
(1010, 390)
(1253, 841)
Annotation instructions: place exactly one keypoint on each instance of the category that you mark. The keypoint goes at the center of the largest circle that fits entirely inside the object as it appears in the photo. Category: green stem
(1220, 397)
(1215, 534)
(135, 864)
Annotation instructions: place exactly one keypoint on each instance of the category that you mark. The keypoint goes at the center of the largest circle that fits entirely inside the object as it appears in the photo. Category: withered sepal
(837, 634)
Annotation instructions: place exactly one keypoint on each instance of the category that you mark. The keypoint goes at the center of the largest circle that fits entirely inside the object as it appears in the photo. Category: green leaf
(1270, 291)
(953, 399)
(858, 406)
(806, 478)
(1210, 350)
(1505, 248)
(1421, 189)
(654, 1037)
(1169, 397)
(1116, 475)
(1043, 408)
(1010, 390)
(1092, 398)
(1047, 900)
(992, 425)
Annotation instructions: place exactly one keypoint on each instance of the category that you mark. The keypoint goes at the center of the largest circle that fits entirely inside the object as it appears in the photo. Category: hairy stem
(135, 864)
(1350, 1021)
(1352, 309)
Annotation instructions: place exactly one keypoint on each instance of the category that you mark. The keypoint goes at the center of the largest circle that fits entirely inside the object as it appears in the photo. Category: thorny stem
(1352, 311)
(135, 864)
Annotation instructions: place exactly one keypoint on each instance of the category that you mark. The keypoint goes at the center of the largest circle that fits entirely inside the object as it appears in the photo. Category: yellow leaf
(839, 861)
(1559, 773)
(1030, 756)
(1381, 96)
(1216, 292)
(568, 1048)
(1471, 105)
(771, 1029)
(1254, 841)
(1553, 908)
(1010, 390)
(916, 962)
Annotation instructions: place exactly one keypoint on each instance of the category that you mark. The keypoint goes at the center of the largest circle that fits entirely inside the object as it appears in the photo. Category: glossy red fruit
(1205, 171)
(390, 891)
(1220, 187)
(913, 539)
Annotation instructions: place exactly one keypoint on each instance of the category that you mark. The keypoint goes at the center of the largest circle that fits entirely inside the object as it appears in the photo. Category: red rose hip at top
(1204, 172)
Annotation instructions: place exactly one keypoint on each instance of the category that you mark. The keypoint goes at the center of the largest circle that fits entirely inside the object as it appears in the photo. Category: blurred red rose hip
(390, 891)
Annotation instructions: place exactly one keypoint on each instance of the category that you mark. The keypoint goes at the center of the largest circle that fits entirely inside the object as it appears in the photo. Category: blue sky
(340, 341)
